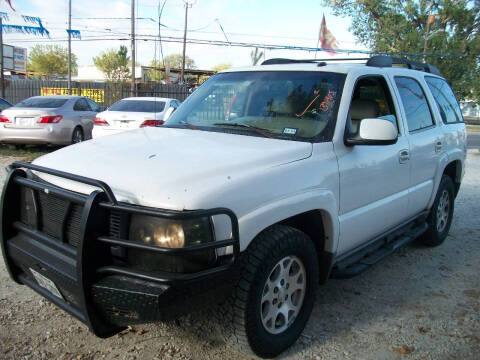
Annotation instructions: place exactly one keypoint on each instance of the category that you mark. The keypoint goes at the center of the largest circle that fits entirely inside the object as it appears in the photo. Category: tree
(256, 56)
(114, 64)
(50, 61)
(221, 67)
(401, 26)
(175, 61)
(155, 75)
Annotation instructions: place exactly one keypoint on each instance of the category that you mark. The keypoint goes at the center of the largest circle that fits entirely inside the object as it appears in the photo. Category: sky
(280, 22)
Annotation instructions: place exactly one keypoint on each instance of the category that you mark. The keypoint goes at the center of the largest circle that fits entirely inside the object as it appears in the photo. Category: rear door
(84, 116)
(426, 141)
(374, 179)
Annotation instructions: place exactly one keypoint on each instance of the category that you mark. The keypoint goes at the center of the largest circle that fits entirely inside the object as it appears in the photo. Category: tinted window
(93, 105)
(415, 104)
(38, 102)
(371, 99)
(4, 104)
(81, 105)
(138, 106)
(445, 99)
(291, 105)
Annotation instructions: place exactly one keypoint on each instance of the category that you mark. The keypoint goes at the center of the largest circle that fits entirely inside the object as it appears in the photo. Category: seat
(361, 109)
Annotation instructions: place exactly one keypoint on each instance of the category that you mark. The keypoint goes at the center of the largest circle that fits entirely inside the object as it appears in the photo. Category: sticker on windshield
(290, 131)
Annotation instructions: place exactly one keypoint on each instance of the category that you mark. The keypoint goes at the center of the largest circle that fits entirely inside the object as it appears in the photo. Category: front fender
(252, 223)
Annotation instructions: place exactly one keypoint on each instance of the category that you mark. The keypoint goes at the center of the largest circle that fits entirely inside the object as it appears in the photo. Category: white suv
(266, 181)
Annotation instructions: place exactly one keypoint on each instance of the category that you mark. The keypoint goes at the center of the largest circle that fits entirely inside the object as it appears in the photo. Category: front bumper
(78, 255)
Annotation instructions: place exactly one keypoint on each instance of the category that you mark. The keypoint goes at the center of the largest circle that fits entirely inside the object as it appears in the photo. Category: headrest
(364, 109)
(280, 105)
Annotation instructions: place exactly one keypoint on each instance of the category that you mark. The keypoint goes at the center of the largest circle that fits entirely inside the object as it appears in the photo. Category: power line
(249, 45)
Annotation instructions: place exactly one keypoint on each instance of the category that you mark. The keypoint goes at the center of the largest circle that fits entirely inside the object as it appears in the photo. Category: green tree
(50, 61)
(221, 67)
(401, 26)
(175, 61)
(155, 75)
(256, 56)
(114, 64)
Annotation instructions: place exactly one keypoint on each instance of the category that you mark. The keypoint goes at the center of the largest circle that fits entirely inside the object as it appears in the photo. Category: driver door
(374, 179)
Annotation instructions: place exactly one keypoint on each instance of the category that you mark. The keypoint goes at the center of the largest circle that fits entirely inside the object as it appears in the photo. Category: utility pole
(187, 5)
(70, 47)
(2, 78)
(429, 22)
(132, 85)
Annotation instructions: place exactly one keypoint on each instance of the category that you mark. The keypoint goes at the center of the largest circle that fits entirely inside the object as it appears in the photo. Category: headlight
(170, 233)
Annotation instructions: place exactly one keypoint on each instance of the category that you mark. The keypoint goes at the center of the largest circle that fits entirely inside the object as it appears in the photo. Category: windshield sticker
(327, 101)
(290, 131)
(324, 105)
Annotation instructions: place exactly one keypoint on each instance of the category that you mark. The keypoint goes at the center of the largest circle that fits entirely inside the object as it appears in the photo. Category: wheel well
(313, 224)
(454, 170)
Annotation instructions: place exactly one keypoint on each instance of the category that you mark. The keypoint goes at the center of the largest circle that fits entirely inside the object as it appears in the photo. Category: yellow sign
(96, 95)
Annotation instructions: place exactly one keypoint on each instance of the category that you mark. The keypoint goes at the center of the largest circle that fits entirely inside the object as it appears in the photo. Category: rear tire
(440, 218)
(274, 293)
(77, 135)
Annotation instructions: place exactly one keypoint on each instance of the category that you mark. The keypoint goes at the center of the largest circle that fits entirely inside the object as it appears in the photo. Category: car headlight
(170, 233)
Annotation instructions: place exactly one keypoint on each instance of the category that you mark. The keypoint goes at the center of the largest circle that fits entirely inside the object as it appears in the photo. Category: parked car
(267, 181)
(133, 113)
(4, 104)
(56, 120)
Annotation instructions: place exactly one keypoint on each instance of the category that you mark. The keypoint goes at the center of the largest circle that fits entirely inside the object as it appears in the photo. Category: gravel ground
(420, 303)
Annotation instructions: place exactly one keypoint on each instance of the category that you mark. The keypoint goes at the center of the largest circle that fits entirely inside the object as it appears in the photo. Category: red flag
(10, 4)
(327, 40)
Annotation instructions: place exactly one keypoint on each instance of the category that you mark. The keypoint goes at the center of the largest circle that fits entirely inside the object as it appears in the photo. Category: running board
(361, 260)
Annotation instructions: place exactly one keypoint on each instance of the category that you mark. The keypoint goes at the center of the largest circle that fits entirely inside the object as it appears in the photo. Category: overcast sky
(283, 22)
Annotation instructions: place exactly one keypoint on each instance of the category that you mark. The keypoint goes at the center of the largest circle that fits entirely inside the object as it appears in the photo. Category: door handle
(438, 146)
(403, 156)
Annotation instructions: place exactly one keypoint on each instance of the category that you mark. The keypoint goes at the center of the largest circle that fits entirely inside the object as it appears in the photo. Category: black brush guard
(74, 269)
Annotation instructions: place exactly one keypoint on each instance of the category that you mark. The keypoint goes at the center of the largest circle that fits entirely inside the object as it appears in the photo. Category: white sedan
(133, 113)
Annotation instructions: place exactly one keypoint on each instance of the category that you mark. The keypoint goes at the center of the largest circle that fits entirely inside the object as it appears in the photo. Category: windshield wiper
(258, 130)
(190, 126)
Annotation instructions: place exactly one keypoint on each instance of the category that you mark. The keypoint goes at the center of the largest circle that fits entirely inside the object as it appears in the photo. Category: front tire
(440, 218)
(275, 292)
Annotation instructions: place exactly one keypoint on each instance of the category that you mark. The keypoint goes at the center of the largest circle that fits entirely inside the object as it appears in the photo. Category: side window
(81, 105)
(445, 99)
(93, 105)
(415, 103)
(371, 99)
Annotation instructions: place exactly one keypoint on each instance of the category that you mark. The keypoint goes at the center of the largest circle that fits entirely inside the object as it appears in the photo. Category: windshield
(138, 106)
(44, 102)
(294, 105)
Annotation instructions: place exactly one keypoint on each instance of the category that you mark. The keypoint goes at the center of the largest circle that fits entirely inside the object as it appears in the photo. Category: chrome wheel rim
(443, 211)
(283, 294)
(77, 136)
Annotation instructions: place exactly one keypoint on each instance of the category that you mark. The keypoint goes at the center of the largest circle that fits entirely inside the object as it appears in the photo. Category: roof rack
(374, 61)
(388, 61)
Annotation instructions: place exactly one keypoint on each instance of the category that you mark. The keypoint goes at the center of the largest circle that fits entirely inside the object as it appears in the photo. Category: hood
(170, 168)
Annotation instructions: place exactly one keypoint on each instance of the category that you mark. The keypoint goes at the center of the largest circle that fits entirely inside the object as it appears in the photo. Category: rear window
(44, 102)
(445, 99)
(138, 106)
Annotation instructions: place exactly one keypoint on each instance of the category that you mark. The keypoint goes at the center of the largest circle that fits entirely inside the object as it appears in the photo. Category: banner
(97, 95)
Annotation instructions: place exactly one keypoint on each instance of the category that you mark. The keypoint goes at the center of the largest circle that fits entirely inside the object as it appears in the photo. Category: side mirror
(168, 113)
(375, 131)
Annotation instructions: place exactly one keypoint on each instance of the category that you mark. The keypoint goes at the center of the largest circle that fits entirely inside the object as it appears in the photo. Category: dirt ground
(420, 303)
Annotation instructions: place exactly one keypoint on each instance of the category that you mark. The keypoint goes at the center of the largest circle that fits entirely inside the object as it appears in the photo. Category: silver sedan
(57, 120)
